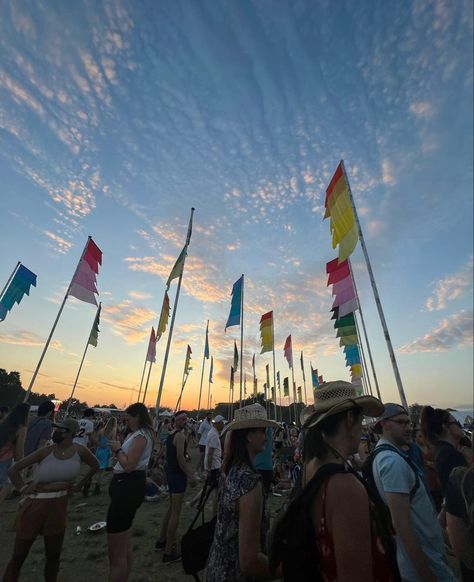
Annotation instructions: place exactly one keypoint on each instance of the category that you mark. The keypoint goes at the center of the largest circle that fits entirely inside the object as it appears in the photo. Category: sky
(117, 117)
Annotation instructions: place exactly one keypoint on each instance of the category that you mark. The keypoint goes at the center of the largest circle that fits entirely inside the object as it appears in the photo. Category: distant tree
(12, 392)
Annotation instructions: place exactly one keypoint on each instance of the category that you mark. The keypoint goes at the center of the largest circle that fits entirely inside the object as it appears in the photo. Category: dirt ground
(84, 557)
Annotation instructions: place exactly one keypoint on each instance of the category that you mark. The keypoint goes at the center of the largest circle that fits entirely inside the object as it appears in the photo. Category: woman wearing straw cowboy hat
(235, 553)
(328, 527)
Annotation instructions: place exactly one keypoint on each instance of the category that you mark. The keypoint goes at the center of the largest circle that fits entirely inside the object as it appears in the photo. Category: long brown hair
(431, 421)
(237, 452)
(144, 419)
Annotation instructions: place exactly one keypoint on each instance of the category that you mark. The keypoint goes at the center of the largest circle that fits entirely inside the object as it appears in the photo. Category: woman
(127, 488)
(103, 452)
(13, 429)
(44, 510)
(330, 521)
(236, 550)
(431, 476)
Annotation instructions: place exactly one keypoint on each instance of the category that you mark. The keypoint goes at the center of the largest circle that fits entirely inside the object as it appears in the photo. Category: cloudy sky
(117, 116)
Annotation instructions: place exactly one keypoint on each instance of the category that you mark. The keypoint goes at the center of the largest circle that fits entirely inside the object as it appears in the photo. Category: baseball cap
(391, 409)
(219, 418)
(69, 424)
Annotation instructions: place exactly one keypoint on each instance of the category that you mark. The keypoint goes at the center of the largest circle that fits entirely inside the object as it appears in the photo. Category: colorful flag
(286, 387)
(346, 308)
(339, 208)
(349, 340)
(344, 331)
(288, 351)
(206, 347)
(300, 396)
(211, 370)
(18, 287)
(187, 367)
(337, 271)
(302, 366)
(314, 377)
(236, 356)
(266, 332)
(177, 270)
(344, 296)
(346, 321)
(151, 354)
(267, 370)
(236, 304)
(164, 316)
(83, 284)
(94, 335)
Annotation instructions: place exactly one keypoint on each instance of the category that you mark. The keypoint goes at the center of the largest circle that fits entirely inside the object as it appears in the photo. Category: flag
(236, 356)
(232, 371)
(164, 316)
(255, 387)
(83, 284)
(302, 366)
(278, 382)
(286, 387)
(346, 321)
(206, 347)
(337, 271)
(314, 377)
(267, 370)
(344, 296)
(211, 370)
(273, 394)
(94, 335)
(349, 340)
(344, 230)
(344, 309)
(288, 351)
(345, 331)
(300, 396)
(236, 304)
(253, 365)
(265, 386)
(266, 332)
(18, 287)
(177, 270)
(151, 354)
(187, 367)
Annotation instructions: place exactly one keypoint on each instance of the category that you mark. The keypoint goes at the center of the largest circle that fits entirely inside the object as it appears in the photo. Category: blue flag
(314, 377)
(19, 285)
(236, 305)
(206, 347)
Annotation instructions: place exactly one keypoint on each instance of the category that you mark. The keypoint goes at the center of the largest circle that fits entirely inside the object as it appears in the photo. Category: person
(40, 428)
(86, 429)
(235, 553)
(177, 475)
(44, 510)
(213, 454)
(12, 442)
(444, 432)
(420, 545)
(103, 452)
(203, 430)
(431, 476)
(264, 463)
(333, 509)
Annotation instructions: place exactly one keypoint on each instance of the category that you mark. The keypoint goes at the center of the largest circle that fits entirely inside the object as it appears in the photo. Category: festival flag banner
(94, 334)
(206, 346)
(187, 367)
(288, 351)
(344, 296)
(164, 316)
(346, 321)
(151, 353)
(346, 308)
(177, 270)
(18, 286)
(236, 304)
(83, 284)
(302, 366)
(314, 377)
(211, 370)
(342, 286)
(255, 387)
(286, 387)
(236, 356)
(266, 332)
(267, 370)
(349, 340)
(344, 331)
(337, 271)
(300, 396)
(278, 381)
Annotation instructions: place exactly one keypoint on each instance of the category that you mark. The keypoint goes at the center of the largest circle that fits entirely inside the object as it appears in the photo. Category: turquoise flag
(18, 287)
(236, 304)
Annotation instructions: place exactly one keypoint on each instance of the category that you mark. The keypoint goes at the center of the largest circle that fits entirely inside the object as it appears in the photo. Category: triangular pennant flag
(177, 270)
(94, 335)
(151, 353)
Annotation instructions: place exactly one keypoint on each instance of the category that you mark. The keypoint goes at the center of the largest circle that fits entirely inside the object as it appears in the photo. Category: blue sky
(116, 117)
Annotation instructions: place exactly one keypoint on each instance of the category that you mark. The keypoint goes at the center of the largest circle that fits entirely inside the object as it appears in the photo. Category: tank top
(172, 455)
(142, 464)
(53, 469)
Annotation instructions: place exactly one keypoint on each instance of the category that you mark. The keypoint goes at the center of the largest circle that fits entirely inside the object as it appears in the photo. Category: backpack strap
(387, 447)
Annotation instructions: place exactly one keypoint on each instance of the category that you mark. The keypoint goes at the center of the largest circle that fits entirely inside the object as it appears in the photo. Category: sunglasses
(401, 422)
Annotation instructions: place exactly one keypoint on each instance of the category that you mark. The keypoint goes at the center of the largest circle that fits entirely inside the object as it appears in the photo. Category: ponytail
(431, 421)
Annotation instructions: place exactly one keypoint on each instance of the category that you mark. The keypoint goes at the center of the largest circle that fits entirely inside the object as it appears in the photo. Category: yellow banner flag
(164, 316)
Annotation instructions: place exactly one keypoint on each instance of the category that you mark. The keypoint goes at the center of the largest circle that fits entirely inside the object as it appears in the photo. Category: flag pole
(202, 370)
(377, 297)
(82, 361)
(274, 367)
(364, 362)
(183, 382)
(241, 338)
(141, 381)
(304, 380)
(294, 385)
(147, 380)
(10, 278)
(170, 333)
(46, 345)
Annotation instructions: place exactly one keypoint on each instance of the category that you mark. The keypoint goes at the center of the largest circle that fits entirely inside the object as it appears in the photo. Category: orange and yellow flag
(266, 332)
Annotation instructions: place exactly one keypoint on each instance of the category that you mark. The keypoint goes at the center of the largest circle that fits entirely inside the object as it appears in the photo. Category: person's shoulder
(345, 489)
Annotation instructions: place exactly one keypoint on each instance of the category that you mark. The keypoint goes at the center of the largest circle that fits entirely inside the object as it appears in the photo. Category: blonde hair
(110, 427)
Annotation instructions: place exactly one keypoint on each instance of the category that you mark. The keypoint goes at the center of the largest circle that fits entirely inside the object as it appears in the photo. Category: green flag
(94, 335)
(236, 356)
(177, 270)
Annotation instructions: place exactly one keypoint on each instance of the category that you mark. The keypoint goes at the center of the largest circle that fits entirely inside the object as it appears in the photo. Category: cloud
(129, 321)
(387, 173)
(422, 109)
(453, 332)
(140, 295)
(58, 243)
(450, 288)
(29, 339)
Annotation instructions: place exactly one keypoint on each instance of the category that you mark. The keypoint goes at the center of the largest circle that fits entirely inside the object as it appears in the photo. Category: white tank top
(142, 464)
(53, 469)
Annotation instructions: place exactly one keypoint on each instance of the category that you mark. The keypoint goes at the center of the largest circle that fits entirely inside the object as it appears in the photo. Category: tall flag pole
(304, 378)
(279, 393)
(91, 341)
(211, 371)
(177, 271)
(236, 317)
(187, 369)
(241, 341)
(16, 287)
(205, 356)
(150, 357)
(336, 193)
(288, 352)
(255, 390)
(82, 286)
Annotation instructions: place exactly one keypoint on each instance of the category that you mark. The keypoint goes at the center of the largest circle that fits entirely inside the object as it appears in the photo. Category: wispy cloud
(450, 288)
(28, 339)
(128, 320)
(57, 243)
(140, 295)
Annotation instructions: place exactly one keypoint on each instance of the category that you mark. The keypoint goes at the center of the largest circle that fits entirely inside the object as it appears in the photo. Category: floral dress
(223, 561)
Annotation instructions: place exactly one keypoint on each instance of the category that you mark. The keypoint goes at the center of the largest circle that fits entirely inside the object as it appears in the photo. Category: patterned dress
(223, 561)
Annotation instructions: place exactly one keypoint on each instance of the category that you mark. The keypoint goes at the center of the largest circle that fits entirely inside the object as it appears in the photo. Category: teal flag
(18, 287)
(236, 304)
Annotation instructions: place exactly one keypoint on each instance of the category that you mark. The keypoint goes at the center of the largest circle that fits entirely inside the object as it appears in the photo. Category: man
(213, 454)
(203, 432)
(86, 428)
(420, 545)
(178, 475)
(40, 428)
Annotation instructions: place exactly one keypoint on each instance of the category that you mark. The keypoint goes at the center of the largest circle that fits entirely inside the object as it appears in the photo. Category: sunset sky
(117, 117)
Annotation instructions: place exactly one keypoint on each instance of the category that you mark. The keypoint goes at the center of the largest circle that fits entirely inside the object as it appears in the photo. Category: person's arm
(179, 441)
(399, 505)
(14, 472)
(252, 562)
(20, 443)
(89, 459)
(129, 460)
(461, 539)
(210, 456)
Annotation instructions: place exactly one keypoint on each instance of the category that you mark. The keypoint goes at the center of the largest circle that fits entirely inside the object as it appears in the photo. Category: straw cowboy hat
(335, 397)
(251, 416)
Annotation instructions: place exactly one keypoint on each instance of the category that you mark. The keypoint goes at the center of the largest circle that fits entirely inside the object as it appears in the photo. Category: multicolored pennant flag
(343, 225)
(314, 377)
(302, 366)
(346, 308)
(187, 367)
(83, 284)
(345, 331)
(344, 296)
(349, 340)
(164, 316)
(337, 271)
(94, 335)
(236, 304)
(236, 356)
(300, 396)
(286, 387)
(267, 370)
(177, 270)
(151, 353)
(288, 351)
(206, 347)
(266, 332)
(211, 370)
(18, 287)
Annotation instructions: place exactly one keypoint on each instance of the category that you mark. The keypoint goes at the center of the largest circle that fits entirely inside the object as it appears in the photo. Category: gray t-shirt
(394, 475)
(39, 429)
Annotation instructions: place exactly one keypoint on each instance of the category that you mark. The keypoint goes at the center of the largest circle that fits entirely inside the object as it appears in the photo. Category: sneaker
(170, 558)
(159, 545)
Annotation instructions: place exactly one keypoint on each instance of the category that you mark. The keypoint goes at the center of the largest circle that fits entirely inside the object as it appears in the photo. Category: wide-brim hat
(334, 397)
(251, 416)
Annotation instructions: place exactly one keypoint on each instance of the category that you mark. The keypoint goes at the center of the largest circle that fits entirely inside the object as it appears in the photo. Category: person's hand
(115, 446)
(32, 487)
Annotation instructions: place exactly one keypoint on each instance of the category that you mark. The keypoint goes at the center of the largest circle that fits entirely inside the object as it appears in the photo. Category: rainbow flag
(266, 332)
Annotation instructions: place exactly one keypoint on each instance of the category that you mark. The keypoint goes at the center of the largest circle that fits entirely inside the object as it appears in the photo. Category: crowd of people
(365, 495)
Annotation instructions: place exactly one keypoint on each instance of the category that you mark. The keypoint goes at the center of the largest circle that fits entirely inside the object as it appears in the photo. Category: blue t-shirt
(263, 461)
(392, 474)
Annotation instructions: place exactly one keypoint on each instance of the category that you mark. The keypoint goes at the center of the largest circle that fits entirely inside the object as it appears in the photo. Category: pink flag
(151, 354)
(348, 307)
(288, 351)
(83, 284)
(343, 297)
(342, 285)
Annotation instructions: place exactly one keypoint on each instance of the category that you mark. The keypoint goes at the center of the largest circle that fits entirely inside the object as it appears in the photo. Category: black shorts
(177, 482)
(202, 448)
(267, 478)
(127, 492)
(213, 478)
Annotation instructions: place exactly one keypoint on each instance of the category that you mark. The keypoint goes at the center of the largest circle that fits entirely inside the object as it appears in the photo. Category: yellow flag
(164, 316)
